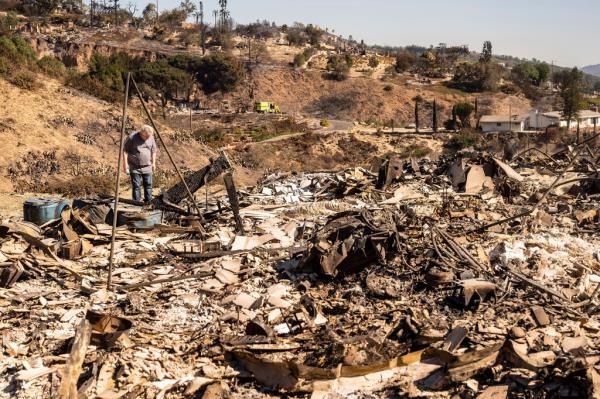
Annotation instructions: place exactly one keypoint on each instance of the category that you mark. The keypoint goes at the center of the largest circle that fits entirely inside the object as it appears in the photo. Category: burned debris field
(469, 275)
(210, 200)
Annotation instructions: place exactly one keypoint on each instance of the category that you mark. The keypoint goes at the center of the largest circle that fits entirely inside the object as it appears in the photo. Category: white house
(501, 123)
(541, 120)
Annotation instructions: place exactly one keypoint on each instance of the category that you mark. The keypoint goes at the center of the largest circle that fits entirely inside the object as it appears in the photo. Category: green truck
(266, 107)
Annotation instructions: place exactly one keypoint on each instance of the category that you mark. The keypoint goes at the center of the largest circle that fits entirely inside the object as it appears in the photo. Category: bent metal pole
(165, 146)
(119, 162)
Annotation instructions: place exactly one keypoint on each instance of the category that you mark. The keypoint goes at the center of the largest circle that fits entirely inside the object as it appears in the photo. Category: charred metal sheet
(351, 241)
(390, 171)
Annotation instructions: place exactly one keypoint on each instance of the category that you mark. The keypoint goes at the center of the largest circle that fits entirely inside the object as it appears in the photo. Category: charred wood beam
(195, 181)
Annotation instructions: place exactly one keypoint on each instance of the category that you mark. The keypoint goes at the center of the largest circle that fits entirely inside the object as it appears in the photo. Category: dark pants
(137, 179)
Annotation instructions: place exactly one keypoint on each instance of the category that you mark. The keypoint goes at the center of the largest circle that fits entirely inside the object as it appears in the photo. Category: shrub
(325, 123)
(477, 77)
(23, 48)
(5, 66)
(25, 80)
(107, 71)
(314, 34)
(209, 135)
(8, 22)
(51, 66)
(339, 67)
(466, 138)
(404, 61)
(299, 60)
(8, 50)
(373, 62)
(463, 111)
(388, 88)
(296, 37)
(302, 58)
(91, 86)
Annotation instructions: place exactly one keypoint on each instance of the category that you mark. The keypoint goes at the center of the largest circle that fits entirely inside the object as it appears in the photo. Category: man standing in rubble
(140, 161)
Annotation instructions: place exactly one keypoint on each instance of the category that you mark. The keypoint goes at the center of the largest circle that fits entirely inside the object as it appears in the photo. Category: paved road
(339, 125)
(335, 125)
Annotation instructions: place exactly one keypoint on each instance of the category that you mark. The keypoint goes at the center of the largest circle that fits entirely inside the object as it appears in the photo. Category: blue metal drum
(43, 210)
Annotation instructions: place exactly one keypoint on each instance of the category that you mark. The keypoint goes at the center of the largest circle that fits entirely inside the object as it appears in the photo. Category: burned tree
(434, 122)
(417, 100)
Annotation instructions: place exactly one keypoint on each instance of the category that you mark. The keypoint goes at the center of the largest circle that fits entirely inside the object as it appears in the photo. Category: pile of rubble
(466, 276)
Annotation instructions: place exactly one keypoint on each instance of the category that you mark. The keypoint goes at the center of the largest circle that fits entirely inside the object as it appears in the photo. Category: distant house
(502, 123)
(537, 120)
(541, 120)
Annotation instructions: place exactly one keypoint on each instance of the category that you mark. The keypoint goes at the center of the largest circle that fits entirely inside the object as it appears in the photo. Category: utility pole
(249, 50)
(116, 11)
(202, 27)
(551, 75)
(92, 6)
(216, 14)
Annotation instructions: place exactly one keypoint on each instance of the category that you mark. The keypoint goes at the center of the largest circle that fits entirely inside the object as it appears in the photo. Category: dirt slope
(80, 131)
(363, 98)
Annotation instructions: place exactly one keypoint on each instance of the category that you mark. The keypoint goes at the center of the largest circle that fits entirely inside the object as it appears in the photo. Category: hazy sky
(564, 31)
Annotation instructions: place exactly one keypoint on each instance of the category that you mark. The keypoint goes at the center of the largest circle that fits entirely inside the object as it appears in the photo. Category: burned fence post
(117, 184)
(234, 202)
(434, 122)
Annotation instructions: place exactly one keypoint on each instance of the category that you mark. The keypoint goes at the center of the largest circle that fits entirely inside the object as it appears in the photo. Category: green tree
(188, 6)
(486, 53)
(164, 78)
(477, 77)
(543, 72)
(314, 34)
(570, 84)
(463, 111)
(111, 71)
(296, 37)
(149, 13)
(526, 72)
(220, 73)
(536, 74)
(172, 18)
(418, 100)
(38, 7)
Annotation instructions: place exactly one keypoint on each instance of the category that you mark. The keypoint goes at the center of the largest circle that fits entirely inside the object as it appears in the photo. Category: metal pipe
(118, 183)
(165, 146)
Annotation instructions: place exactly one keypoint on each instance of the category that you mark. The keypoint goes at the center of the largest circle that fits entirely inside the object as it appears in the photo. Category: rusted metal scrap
(390, 170)
(350, 241)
